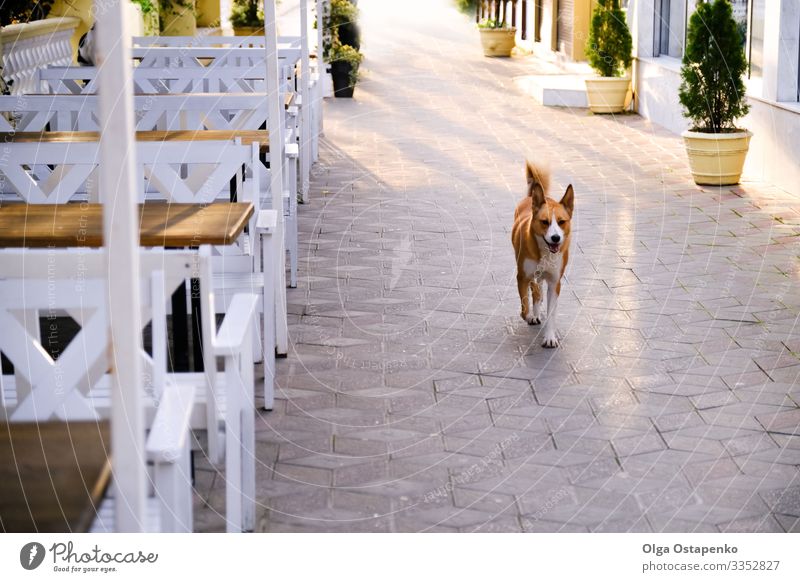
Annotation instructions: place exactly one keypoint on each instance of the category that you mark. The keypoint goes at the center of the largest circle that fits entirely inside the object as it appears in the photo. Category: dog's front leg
(550, 339)
(523, 287)
(536, 295)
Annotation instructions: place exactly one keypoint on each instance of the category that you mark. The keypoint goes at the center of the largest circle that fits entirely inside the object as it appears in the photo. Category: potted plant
(609, 50)
(247, 18)
(345, 61)
(341, 26)
(712, 93)
(497, 39)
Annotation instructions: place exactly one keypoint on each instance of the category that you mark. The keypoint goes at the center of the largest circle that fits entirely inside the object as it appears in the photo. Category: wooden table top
(52, 475)
(161, 224)
(247, 136)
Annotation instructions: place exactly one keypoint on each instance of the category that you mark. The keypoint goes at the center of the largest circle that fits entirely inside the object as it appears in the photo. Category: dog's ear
(568, 201)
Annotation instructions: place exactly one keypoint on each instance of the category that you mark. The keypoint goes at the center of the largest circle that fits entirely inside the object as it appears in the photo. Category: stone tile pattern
(414, 398)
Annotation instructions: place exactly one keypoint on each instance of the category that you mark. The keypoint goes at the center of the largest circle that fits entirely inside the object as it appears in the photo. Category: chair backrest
(154, 79)
(185, 171)
(160, 80)
(284, 42)
(50, 283)
(69, 112)
(209, 57)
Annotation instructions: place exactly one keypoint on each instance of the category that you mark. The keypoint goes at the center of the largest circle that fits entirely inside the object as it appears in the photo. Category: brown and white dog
(541, 236)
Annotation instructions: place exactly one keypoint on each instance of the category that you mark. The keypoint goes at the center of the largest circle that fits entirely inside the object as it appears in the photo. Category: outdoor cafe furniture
(241, 115)
(220, 404)
(192, 172)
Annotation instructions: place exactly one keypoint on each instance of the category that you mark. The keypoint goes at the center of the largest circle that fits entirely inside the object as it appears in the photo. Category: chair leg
(269, 309)
(233, 448)
(281, 319)
(293, 248)
(248, 439)
(173, 485)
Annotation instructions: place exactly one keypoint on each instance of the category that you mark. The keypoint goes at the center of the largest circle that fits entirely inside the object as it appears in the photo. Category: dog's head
(550, 220)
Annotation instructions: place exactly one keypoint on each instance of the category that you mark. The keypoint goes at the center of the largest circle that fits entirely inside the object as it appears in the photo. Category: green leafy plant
(609, 47)
(341, 14)
(712, 89)
(146, 5)
(492, 24)
(466, 6)
(21, 11)
(346, 53)
(247, 13)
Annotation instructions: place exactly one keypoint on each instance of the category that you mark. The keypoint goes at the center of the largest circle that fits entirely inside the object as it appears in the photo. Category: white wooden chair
(239, 111)
(189, 172)
(36, 284)
(74, 386)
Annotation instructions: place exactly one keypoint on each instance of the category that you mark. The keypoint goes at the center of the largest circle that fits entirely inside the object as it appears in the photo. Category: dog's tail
(537, 174)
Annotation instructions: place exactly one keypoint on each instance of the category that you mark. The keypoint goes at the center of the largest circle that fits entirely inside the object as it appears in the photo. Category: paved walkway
(415, 398)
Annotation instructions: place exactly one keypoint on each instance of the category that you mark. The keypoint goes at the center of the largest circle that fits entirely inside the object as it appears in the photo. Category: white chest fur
(548, 267)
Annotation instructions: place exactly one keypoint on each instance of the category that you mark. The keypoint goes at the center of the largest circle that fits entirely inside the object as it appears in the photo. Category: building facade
(771, 39)
(556, 30)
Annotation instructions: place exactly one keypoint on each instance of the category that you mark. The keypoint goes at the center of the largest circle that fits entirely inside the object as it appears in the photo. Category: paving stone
(671, 404)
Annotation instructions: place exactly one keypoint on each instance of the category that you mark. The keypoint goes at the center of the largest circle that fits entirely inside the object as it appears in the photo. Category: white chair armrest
(267, 220)
(235, 331)
(171, 425)
(292, 150)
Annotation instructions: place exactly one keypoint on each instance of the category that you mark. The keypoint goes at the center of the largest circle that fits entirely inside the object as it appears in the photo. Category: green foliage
(712, 89)
(341, 12)
(467, 6)
(609, 47)
(146, 5)
(247, 13)
(493, 24)
(346, 53)
(21, 11)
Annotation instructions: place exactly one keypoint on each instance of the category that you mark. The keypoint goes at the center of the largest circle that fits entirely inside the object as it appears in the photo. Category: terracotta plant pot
(607, 94)
(498, 42)
(716, 159)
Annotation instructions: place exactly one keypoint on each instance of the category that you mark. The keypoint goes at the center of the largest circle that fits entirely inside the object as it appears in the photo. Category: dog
(541, 237)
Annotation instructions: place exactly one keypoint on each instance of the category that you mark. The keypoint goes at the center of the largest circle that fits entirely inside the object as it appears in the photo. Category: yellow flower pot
(716, 159)
(607, 94)
(498, 42)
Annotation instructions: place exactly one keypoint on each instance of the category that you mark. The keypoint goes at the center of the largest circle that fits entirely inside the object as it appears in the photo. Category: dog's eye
(545, 222)
(562, 222)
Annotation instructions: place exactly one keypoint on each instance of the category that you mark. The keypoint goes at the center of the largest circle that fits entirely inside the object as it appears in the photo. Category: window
(749, 16)
(756, 52)
(669, 28)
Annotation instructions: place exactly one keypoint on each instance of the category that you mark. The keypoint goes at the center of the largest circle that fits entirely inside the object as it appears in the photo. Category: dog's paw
(550, 341)
(533, 320)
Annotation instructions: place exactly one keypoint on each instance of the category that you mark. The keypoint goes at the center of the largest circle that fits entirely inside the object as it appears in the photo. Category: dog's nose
(555, 238)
